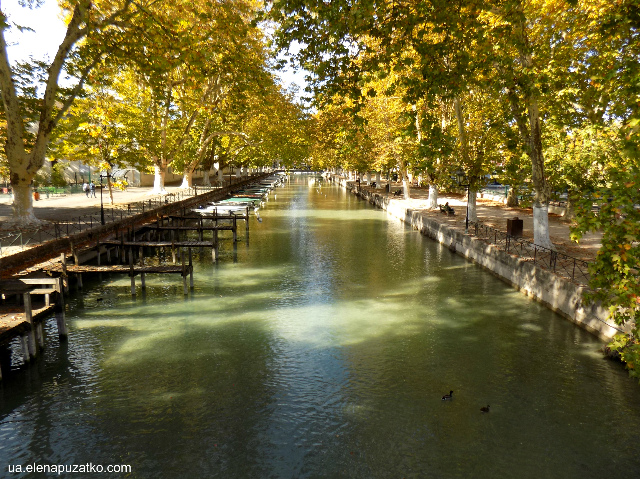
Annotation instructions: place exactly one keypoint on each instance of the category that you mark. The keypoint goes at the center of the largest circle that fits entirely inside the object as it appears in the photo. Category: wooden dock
(26, 300)
(31, 306)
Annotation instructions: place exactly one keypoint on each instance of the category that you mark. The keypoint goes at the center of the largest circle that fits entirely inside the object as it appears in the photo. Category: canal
(322, 348)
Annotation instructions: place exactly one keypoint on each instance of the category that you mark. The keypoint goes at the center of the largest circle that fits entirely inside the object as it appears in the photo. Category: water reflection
(323, 352)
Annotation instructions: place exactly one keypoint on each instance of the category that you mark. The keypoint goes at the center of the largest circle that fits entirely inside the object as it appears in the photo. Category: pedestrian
(92, 187)
(85, 188)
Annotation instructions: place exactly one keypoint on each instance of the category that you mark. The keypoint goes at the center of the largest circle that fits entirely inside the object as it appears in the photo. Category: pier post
(76, 260)
(131, 273)
(63, 260)
(190, 270)
(24, 342)
(184, 275)
(246, 219)
(59, 311)
(31, 334)
(235, 228)
(79, 280)
(98, 249)
(173, 251)
(108, 254)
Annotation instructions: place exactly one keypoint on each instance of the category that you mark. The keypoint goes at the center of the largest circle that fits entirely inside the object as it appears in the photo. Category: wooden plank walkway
(14, 322)
(159, 244)
(117, 268)
(194, 228)
(206, 216)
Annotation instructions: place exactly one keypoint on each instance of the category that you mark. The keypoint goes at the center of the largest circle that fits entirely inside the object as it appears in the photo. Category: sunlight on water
(321, 346)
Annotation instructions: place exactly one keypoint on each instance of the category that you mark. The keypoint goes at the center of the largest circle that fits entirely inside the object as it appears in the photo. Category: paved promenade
(59, 208)
(495, 214)
(490, 212)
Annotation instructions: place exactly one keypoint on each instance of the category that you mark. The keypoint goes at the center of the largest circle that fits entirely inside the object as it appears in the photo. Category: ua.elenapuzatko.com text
(87, 468)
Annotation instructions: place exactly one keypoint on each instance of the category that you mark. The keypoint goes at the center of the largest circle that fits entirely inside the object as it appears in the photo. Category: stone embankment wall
(555, 292)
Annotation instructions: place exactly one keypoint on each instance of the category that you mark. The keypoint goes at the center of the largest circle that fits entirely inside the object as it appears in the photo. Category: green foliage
(612, 209)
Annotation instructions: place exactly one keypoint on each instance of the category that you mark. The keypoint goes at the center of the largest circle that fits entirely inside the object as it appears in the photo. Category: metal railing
(17, 241)
(561, 264)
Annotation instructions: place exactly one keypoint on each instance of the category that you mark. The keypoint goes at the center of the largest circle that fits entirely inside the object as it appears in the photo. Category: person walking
(85, 188)
(92, 187)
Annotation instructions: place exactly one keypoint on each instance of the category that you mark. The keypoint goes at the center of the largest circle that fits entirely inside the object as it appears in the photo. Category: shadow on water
(324, 352)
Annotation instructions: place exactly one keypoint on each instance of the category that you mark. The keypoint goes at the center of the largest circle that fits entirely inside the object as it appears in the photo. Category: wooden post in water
(235, 228)
(216, 244)
(24, 342)
(63, 260)
(79, 280)
(76, 260)
(190, 269)
(123, 254)
(59, 311)
(142, 278)
(173, 251)
(31, 334)
(131, 273)
(246, 220)
(98, 249)
(184, 275)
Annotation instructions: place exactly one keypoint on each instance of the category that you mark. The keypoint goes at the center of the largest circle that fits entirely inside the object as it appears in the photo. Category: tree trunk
(512, 197)
(569, 212)
(206, 180)
(406, 184)
(187, 180)
(22, 208)
(541, 197)
(110, 186)
(473, 212)
(433, 197)
(158, 181)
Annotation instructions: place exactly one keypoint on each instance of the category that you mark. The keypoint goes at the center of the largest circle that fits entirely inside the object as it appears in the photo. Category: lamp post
(463, 180)
(108, 175)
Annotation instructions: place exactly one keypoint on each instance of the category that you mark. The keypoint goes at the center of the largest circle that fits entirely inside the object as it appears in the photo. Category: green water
(322, 349)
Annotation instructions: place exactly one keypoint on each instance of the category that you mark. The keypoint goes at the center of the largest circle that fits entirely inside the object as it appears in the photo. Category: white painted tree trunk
(22, 208)
(187, 180)
(473, 212)
(158, 181)
(433, 197)
(406, 187)
(378, 179)
(206, 181)
(512, 197)
(368, 177)
(238, 173)
(541, 227)
(221, 177)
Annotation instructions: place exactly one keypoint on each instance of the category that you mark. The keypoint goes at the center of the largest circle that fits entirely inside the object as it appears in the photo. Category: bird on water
(485, 409)
(448, 396)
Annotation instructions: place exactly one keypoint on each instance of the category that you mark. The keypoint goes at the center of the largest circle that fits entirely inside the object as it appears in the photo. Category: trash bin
(514, 227)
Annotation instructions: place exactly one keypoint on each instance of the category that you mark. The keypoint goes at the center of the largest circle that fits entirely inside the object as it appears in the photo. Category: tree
(86, 20)
(93, 132)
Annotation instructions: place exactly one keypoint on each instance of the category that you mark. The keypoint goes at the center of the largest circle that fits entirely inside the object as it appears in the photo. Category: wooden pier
(29, 299)
(26, 304)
